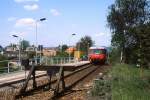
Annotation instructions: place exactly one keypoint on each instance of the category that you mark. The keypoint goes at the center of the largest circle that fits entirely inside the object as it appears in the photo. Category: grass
(129, 84)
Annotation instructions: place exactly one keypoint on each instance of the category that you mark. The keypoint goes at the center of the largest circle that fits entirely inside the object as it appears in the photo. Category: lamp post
(40, 20)
(19, 56)
(69, 50)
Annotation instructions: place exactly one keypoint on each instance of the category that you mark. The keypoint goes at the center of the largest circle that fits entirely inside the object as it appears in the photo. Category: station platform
(16, 76)
(76, 63)
(12, 77)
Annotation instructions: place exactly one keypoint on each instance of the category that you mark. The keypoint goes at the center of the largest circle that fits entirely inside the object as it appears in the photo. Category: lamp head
(42, 19)
(73, 34)
(14, 35)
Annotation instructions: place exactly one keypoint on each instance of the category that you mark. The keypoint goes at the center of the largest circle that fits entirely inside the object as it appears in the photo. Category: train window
(97, 51)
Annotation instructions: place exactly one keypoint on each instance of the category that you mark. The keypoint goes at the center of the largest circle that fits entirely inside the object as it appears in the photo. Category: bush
(62, 54)
(101, 87)
(3, 64)
(114, 56)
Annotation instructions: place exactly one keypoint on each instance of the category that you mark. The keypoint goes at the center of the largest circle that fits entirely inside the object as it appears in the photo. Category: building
(10, 48)
(70, 50)
(28, 49)
(49, 52)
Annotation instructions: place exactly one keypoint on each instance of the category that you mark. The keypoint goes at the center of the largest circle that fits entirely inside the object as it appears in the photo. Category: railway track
(70, 79)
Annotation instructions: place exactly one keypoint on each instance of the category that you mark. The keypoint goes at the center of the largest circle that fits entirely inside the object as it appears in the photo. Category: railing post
(61, 62)
(57, 60)
(46, 60)
(64, 60)
(51, 59)
(8, 67)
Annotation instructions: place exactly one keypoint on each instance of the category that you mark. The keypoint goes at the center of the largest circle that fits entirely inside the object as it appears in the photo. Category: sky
(63, 18)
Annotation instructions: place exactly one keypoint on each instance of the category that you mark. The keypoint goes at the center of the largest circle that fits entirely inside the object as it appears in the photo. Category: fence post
(8, 67)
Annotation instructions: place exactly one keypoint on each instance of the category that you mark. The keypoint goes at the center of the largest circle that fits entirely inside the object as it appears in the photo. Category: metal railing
(9, 66)
(56, 60)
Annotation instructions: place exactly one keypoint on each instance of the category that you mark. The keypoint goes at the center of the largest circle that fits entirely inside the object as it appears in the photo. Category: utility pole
(69, 48)
(19, 56)
(40, 20)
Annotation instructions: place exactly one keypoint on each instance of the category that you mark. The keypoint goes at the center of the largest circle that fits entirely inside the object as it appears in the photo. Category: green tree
(62, 54)
(62, 51)
(1, 48)
(24, 44)
(84, 43)
(64, 47)
(4, 63)
(126, 19)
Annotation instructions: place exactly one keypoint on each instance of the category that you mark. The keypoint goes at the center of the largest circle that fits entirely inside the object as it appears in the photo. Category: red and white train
(97, 55)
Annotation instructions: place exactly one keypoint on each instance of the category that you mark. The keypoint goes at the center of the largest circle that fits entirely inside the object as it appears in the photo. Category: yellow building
(77, 54)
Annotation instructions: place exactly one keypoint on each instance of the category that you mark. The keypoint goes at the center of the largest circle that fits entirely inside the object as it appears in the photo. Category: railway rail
(42, 82)
(73, 83)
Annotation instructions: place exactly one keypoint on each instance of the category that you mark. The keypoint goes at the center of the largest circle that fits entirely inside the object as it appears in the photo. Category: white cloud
(32, 7)
(25, 22)
(21, 1)
(11, 19)
(55, 12)
(102, 34)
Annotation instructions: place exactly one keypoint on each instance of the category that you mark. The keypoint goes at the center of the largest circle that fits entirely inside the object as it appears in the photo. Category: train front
(97, 55)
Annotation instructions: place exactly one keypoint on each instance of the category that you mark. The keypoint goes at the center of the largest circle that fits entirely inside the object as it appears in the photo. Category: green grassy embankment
(130, 83)
(123, 82)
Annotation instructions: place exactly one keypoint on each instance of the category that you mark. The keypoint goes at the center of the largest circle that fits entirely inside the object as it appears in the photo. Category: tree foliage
(1, 48)
(62, 51)
(64, 47)
(84, 43)
(4, 63)
(129, 21)
(62, 54)
(24, 44)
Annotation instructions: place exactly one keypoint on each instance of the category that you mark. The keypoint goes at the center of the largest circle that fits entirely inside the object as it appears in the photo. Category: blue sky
(64, 17)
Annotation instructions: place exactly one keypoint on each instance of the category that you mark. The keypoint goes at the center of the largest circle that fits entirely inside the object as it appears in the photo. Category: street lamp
(40, 20)
(19, 49)
(69, 50)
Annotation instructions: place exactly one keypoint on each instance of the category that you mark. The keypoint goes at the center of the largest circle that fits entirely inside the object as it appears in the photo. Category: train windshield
(97, 51)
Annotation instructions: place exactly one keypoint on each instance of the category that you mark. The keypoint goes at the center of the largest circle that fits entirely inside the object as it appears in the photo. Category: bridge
(45, 67)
